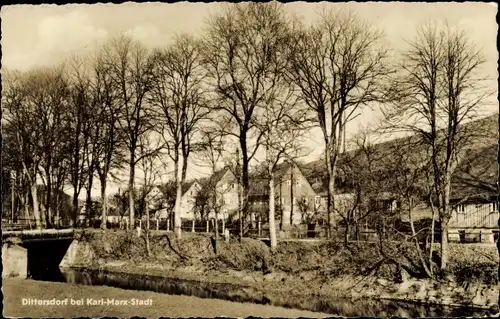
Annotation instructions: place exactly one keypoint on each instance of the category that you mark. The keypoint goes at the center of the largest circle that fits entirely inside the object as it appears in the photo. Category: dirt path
(139, 303)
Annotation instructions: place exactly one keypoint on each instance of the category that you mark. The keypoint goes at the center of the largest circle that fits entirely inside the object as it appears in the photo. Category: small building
(219, 193)
(294, 196)
(189, 193)
(188, 201)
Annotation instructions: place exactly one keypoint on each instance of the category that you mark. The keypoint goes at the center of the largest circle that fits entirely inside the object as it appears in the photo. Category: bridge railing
(27, 223)
(38, 234)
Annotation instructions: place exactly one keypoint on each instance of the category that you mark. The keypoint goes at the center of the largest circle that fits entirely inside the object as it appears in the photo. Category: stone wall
(79, 252)
(14, 261)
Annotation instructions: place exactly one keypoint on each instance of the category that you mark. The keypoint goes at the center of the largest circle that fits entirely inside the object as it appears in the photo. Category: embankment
(321, 270)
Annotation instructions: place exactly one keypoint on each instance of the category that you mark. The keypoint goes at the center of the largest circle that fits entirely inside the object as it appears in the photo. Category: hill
(477, 171)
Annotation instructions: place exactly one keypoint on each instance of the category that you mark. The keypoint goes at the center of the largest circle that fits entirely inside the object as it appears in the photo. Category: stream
(237, 293)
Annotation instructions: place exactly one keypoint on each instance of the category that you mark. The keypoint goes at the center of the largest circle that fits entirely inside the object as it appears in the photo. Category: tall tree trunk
(12, 195)
(246, 191)
(36, 211)
(131, 183)
(75, 169)
(56, 206)
(433, 223)
(216, 211)
(346, 233)
(282, 216)
(75, 205)
(272, 225)
(178, 196)
(88, 202)
(291, 196)
(104, 202)
(216, 229)
(48, 198)
(444, 219)
(146, 231)
(240, 197)
(223, 223)
(331, 190)
(427, 269)
(444, 244)
(25, 202)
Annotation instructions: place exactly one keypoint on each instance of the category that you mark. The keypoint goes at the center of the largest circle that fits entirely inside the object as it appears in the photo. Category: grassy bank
(15, 290)
(322, 269)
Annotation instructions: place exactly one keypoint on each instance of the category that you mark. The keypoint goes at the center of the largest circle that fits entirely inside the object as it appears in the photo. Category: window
(461, 209)
(288, 182)
(317, 200)
(494, 206)
(297, 183)
(233, 185)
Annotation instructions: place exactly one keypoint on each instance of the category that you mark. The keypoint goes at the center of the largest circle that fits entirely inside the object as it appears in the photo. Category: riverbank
(139, 303)
(296, 275)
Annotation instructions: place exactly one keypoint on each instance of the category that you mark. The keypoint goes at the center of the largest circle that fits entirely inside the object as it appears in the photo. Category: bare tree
(152, 175)
(178, 98)
(241, 49)
(35, 102)
(21, 133)
(211, 151)
(283, 128)
(49, 92)
(169, 191)
(398, 170)
(60, 172)
(81, 125)
(130, 68)
(439, 89)
(363, 168)
(107, 144)
(410, 172)
(338, 65)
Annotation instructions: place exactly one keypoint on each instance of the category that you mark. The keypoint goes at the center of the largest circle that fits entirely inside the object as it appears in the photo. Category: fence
(301, 231)
(29, 223)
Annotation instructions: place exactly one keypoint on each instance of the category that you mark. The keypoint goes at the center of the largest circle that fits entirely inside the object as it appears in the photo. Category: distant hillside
(477, 175)
(481, 152)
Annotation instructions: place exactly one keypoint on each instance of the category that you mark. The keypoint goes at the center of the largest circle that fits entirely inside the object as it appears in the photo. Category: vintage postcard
(253, 159)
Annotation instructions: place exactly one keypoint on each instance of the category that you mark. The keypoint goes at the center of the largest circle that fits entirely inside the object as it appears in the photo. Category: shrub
(473, 263)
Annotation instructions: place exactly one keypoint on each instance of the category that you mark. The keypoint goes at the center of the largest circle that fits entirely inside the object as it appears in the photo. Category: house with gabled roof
(294, 196)
(190, 190)
(221, 186)
(188, 200)
(474, 197)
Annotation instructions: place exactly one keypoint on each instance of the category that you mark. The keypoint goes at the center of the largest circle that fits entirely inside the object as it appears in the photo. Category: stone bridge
(28, 252)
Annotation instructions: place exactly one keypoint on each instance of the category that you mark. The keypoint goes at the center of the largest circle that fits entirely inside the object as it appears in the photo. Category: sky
(43, 35)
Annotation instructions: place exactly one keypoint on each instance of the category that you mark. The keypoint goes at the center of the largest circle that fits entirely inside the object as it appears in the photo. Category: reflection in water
(232, 292)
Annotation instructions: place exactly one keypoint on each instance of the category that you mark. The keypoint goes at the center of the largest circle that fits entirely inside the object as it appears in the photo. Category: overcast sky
(45, 34)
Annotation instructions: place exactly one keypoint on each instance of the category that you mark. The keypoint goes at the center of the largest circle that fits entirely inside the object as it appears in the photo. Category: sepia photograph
(252, 159)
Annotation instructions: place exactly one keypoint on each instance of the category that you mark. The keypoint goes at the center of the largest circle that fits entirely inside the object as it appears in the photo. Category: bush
(471, 263)
(251, 255)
